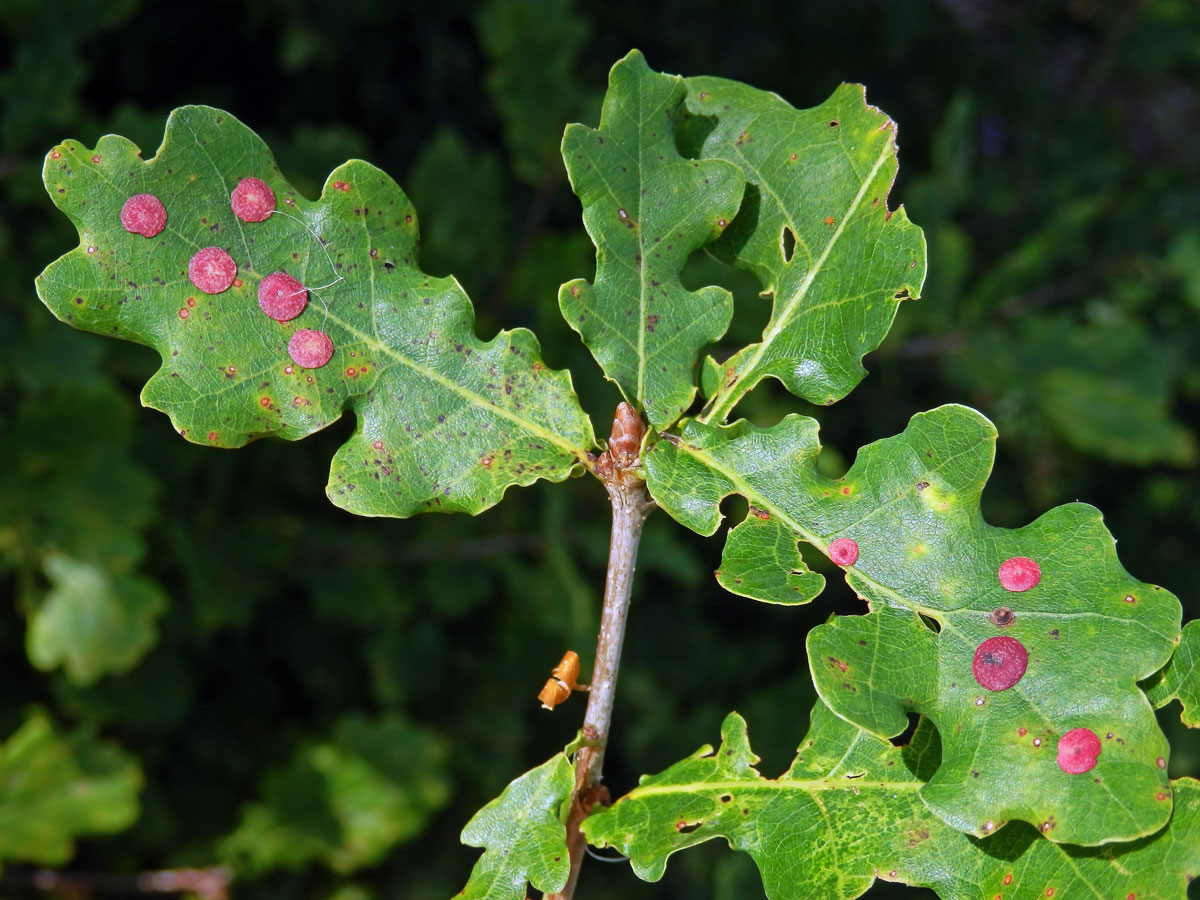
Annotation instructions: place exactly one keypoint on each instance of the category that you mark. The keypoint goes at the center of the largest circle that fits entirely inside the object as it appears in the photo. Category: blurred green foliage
(1047, 150)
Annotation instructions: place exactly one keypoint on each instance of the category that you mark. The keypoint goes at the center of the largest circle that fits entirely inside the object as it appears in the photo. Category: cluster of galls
(1000, 661)
(213, 271)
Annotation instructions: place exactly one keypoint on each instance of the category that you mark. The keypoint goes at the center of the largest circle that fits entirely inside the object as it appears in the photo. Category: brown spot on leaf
(1002, 616)
(917, 836)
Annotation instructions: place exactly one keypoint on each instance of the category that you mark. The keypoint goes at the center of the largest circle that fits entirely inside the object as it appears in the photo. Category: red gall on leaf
(252, 200)
(1077, 751)
(281, 296)
(212, 270)
(1019, 573)
(310, 348)
(844, 551)
(999, 663)
(144, 214)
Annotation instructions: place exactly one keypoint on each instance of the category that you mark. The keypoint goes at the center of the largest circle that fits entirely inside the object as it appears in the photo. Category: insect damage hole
(904, 738)
(787, 244)
(931, 623)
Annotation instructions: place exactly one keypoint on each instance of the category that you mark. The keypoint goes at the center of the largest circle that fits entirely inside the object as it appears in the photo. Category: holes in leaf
(685, 828)
(931, 623)
(691, 133)
(923, 754)
(904, 738)
(787, 244)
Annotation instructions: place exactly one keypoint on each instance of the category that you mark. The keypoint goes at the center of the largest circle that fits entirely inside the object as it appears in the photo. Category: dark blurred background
(321, 702)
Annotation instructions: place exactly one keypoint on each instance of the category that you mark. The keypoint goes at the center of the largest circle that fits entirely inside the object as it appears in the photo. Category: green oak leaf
(523, 835)
(80, 524)
(814, 229)
(445, 421)
(1179, 679)
(760, 561)
(92, 622)
(848, 812)
(646, 208)
(927, 560)
(53, 789)
(344, 802)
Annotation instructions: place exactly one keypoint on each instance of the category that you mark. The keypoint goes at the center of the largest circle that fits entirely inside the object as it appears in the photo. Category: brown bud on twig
(626, 438)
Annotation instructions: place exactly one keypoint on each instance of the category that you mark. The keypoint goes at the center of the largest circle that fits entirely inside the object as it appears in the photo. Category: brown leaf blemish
(1002, 616)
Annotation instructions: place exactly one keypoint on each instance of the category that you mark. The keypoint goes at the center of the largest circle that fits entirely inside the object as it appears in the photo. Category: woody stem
(630, 506)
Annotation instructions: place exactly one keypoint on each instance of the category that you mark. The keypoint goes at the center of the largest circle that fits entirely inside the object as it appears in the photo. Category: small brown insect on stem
(619, 468)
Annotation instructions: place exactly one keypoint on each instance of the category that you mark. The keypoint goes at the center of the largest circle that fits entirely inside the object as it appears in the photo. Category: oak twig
(619, 468)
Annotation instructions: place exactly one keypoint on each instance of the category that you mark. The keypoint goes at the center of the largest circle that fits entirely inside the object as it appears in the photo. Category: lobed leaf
(1179, 679)
(53, 789)
(760, 561)
(74, 513)
(445, 421)
(646, 208)
(847, 813)
(91, 622)
(523, 835)
(927, 564)
(814, 229)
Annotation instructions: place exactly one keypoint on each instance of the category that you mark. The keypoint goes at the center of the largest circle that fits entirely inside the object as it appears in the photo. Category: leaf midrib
(746, 380)
(373, 341)
(789, 784)
(453, 386)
